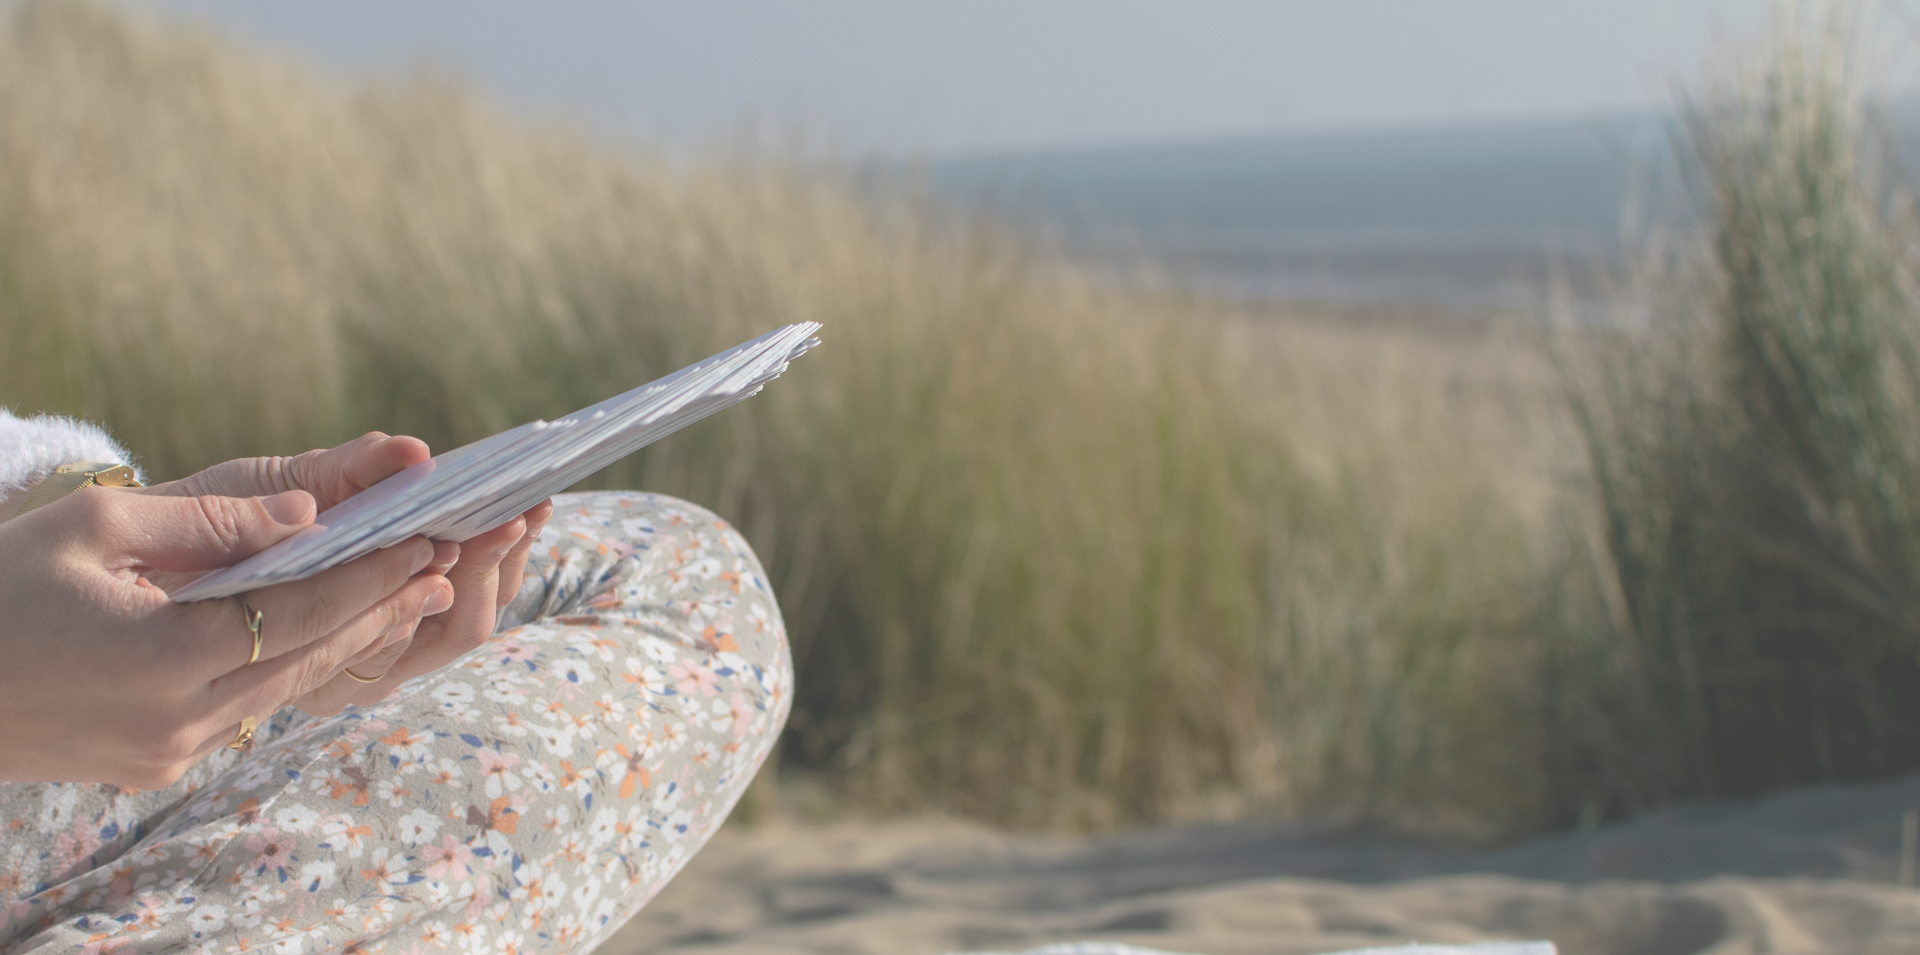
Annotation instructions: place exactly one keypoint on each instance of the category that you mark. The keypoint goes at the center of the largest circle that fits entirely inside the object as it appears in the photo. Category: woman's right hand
(104, 679)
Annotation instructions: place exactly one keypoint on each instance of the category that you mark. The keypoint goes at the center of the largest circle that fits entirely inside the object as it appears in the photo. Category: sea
(1517, 217)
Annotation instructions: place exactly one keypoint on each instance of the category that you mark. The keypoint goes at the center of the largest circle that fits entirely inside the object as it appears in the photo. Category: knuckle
(160, 743)
(296, 473)
(317, 614)
(315, 670)
(401, 613)
(179, 746)
(275, 474)
(218, 519)
(393, 651)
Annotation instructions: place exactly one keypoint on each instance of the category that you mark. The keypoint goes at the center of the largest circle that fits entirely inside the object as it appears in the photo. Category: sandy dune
(1811, 871)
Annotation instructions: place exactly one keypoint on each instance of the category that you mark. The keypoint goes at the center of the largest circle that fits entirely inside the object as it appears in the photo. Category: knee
(685, 574)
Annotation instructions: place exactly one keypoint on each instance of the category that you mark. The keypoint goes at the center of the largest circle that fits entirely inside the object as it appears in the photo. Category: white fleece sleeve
(30, 448)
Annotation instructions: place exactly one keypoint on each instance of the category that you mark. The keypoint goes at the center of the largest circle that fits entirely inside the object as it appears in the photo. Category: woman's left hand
(486, 572)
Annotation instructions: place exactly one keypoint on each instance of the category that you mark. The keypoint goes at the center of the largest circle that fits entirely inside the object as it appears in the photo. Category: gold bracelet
(69, 478)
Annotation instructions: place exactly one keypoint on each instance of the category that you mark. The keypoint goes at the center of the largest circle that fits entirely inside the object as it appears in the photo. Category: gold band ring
(355, 676)
(253, 618)
(245, 735)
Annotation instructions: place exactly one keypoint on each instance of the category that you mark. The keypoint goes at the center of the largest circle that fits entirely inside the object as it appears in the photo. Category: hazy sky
(920, 76)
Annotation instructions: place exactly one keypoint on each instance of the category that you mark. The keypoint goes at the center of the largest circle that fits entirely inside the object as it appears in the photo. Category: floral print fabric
(529, 798)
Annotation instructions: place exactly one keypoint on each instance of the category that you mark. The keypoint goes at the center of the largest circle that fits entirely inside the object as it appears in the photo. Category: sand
(1809, 871)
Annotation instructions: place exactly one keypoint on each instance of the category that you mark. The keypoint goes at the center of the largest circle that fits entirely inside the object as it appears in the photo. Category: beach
(1813, 870)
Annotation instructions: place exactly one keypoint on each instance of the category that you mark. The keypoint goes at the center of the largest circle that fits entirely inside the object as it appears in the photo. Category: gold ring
(246, 734)
(253, 618)
(360, 678)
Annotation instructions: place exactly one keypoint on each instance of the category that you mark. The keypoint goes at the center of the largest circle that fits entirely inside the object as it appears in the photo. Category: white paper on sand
(476, 488)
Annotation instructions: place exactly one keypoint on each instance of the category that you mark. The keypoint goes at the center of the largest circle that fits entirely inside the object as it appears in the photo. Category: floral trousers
(528, 798)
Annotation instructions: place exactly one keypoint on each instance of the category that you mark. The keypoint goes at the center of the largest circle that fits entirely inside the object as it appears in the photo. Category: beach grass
(1755, 447)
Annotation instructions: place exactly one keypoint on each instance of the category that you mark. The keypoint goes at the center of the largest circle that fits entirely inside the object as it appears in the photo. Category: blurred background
(1387, 151)
(1473, 419)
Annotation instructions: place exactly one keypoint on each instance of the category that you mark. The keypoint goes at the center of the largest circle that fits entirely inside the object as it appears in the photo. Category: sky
(957, 77)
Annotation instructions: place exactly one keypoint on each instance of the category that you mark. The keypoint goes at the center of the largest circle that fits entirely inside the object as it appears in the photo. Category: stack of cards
(473, 489)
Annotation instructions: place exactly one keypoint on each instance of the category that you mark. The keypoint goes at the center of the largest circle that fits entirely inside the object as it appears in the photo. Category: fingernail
(288, 507)
(445, 555)
(422, 556)
(438, 602)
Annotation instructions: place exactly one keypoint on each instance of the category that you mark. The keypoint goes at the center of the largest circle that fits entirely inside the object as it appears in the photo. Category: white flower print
(574, 671)
(539, 778)
(649, 680)
(408, 746)
(149, 855)
(604, 828)
(318, 876)
(344, 835)
(512, 724)
(418, 827)
(658, 650)
(293, 944)
(455, 697)
(671, 736)
(507, 689)
(442, 771)
(594, 645)
(558, 739)
(704, 754)
(297, 818)
(586, 893)
(208, 919)
(393, 790)
(388, 869)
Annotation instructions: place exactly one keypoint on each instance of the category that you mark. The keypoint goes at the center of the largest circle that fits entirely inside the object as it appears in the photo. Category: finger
(380, 669)
(372, 670)
(340, 473)
(183, 534)
(331, 475)
(293, 615)
(368, 680)
(445, 638)
(513, 567)
(270, 684)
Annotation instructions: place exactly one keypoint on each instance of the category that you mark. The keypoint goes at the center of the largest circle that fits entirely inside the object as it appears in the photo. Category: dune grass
(1756, 452)
(1052, 554)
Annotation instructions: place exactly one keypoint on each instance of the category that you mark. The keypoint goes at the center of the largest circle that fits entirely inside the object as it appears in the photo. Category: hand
(485, 571)
(107, 680)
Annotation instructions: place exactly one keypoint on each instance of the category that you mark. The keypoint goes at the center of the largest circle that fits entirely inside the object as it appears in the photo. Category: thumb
(207, 532)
